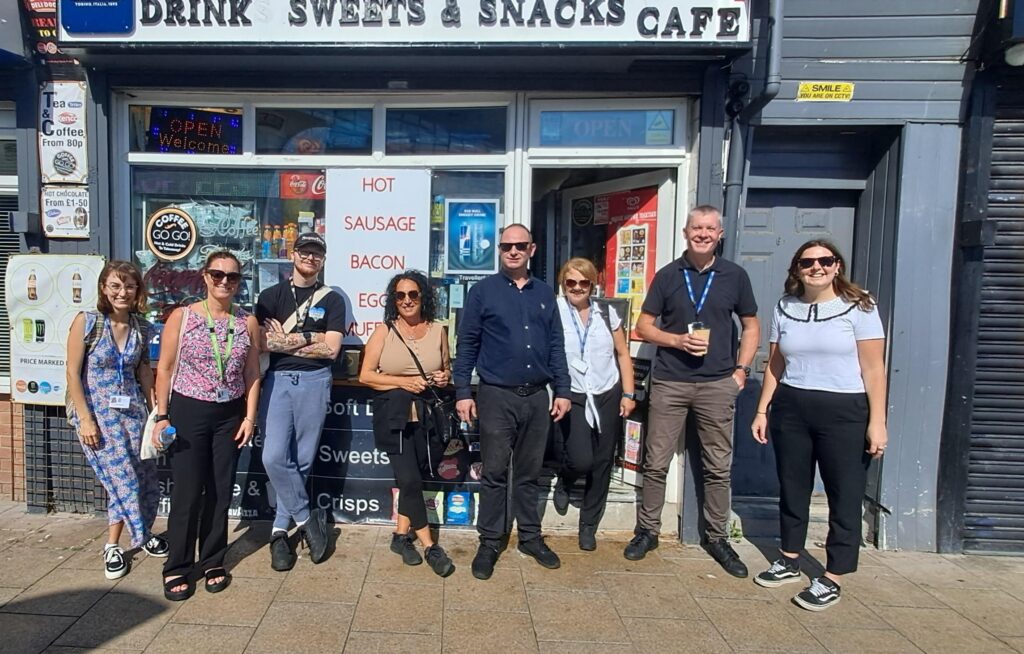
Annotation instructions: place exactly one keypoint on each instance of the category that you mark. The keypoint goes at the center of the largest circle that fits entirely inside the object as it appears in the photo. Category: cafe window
(185, 130)
(466, 130)
(256, 214)
(314, 131)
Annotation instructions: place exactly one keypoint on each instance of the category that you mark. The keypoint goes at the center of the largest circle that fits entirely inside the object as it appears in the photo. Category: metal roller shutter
(994, 511)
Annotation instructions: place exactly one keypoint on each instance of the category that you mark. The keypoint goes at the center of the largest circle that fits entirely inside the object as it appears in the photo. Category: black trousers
(589, 453)
(827, 429)
(516, 427)
(416, 458)
(203, 461)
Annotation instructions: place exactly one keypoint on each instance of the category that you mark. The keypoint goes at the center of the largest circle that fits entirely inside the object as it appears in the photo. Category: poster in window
(44, 293)
(63, 151)
(65, 211)
(632, 219)
(471, 237)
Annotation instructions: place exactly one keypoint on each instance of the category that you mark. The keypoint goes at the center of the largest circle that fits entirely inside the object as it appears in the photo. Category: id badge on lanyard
(223, 394)
(120, 400)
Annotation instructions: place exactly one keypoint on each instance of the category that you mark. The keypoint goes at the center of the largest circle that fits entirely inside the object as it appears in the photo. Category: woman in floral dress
(110, 383)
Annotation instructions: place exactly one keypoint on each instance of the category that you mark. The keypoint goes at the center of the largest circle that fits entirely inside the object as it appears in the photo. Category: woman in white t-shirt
(602, 394)
(825, 389)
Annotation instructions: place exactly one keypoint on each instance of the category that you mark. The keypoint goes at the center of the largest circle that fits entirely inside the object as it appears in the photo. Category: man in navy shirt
(512, 334)
(698, 369)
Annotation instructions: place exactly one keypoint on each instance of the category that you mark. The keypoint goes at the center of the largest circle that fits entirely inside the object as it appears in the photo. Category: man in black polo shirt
(304, 322)
(699, 371)
(512, 334)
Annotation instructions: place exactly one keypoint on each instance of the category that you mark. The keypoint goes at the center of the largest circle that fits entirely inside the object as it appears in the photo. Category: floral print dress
(130, 482)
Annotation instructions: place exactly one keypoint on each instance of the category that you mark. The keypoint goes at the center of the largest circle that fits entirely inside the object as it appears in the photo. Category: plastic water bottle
(166, 437)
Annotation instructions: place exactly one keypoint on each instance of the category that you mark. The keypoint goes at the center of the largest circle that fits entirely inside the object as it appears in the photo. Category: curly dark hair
(844, 288)
(428, 300)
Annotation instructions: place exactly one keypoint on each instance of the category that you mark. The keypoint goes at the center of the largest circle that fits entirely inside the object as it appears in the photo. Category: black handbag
(442, 420)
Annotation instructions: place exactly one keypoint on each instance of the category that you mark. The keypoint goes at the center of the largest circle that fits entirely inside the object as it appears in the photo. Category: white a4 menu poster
(44, 294)
(377, 225)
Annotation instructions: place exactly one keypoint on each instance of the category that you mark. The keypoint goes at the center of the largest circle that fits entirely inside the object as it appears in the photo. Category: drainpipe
(739, 128)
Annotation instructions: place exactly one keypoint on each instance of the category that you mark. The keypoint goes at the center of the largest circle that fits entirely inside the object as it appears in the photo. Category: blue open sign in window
(97, 16)
(595, 129)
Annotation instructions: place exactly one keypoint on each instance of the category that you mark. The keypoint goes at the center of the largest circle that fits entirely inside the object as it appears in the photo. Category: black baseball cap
(311, 239)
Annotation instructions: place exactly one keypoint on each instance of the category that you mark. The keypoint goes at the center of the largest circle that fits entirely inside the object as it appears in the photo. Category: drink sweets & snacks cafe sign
(405, 22)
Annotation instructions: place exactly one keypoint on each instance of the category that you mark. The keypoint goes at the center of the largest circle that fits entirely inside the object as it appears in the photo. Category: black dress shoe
(538, 549)
(642, 543)
(282, 556)
(316, 535)
(721, 551)
(588, 538)
(483, 562)
(560, 497)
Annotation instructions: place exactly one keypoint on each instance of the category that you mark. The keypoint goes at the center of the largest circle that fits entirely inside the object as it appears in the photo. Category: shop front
(408, 134)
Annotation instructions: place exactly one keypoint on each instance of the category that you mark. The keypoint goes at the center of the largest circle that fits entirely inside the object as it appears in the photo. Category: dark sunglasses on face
(826, 262)
(219, 276)
(400, 296)
(507, 247)
(584, 284)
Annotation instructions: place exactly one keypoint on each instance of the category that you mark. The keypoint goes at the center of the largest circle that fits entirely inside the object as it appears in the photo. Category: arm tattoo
(315, 351)
(284, 343)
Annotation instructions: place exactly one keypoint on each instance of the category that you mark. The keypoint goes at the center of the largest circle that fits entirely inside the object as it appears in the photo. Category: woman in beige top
(388, 366)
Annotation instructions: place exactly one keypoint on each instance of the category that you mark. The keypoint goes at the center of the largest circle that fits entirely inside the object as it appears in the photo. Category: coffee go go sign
(171, 234)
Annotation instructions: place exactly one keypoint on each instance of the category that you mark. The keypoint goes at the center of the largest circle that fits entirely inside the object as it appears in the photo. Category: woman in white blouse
(602, 394)
(825, 388)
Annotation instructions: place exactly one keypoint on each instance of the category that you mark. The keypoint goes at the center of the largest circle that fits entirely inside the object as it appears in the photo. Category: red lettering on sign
(377, 262)
(381, 223)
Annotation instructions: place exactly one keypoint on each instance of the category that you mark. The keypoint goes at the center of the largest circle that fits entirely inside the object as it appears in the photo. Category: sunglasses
(584, 284)
(218, 276)
(826, 262)
(401, 295)
(507, 247)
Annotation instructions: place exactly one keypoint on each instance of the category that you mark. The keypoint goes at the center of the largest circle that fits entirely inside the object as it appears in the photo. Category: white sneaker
(114, 563)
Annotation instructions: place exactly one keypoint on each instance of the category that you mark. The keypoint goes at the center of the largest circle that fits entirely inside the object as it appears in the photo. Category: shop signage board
(44, 294)
(825, 92)
(63, 151)
(377, 224)
(415, 22)
(471, 238)
(65, 211)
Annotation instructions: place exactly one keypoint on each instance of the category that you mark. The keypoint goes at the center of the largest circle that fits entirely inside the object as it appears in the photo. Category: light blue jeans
(293, 407)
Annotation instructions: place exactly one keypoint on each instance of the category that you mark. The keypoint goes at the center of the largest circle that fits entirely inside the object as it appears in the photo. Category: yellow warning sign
(825, 92)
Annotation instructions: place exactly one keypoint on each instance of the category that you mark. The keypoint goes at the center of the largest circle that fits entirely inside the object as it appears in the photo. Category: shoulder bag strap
(415, 360)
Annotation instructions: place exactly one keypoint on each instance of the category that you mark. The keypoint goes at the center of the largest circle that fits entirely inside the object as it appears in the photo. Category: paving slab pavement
(54, 598)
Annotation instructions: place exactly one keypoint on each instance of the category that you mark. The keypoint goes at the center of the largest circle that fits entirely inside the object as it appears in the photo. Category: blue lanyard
(697, 306)
(121, 356)
(576, 324)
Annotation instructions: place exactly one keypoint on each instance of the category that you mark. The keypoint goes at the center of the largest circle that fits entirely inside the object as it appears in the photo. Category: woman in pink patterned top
(213, 405)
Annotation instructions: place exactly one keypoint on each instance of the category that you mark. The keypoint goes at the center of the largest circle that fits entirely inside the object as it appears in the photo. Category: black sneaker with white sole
(115, 565)
(782, 571)
(821, 594)
(157, 546)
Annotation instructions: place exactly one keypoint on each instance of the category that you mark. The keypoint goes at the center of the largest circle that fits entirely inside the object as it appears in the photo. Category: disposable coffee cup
(700, 330)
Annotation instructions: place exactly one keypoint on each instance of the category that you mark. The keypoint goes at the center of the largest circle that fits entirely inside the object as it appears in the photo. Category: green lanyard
(217, 356)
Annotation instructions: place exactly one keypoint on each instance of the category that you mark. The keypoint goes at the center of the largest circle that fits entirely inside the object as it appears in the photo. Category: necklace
(413, 332)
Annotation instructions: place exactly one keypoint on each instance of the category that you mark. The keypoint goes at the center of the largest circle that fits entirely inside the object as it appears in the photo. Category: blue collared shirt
(512, 336)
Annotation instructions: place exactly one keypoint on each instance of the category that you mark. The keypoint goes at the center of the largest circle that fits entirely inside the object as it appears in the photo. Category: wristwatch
(629, 396)
(160, 417)
(745, 369)
(309, 337)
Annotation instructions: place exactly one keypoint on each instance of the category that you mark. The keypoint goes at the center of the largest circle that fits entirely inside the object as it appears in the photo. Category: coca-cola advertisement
(303, 185)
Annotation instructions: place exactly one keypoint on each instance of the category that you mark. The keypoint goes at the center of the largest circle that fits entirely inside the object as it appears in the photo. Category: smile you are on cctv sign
(406, 22)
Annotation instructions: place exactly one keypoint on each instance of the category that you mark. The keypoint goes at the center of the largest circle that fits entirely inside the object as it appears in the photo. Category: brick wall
(12, 450)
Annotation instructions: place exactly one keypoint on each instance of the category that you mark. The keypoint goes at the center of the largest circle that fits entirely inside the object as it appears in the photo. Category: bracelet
(761, 413)
(249, 420)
